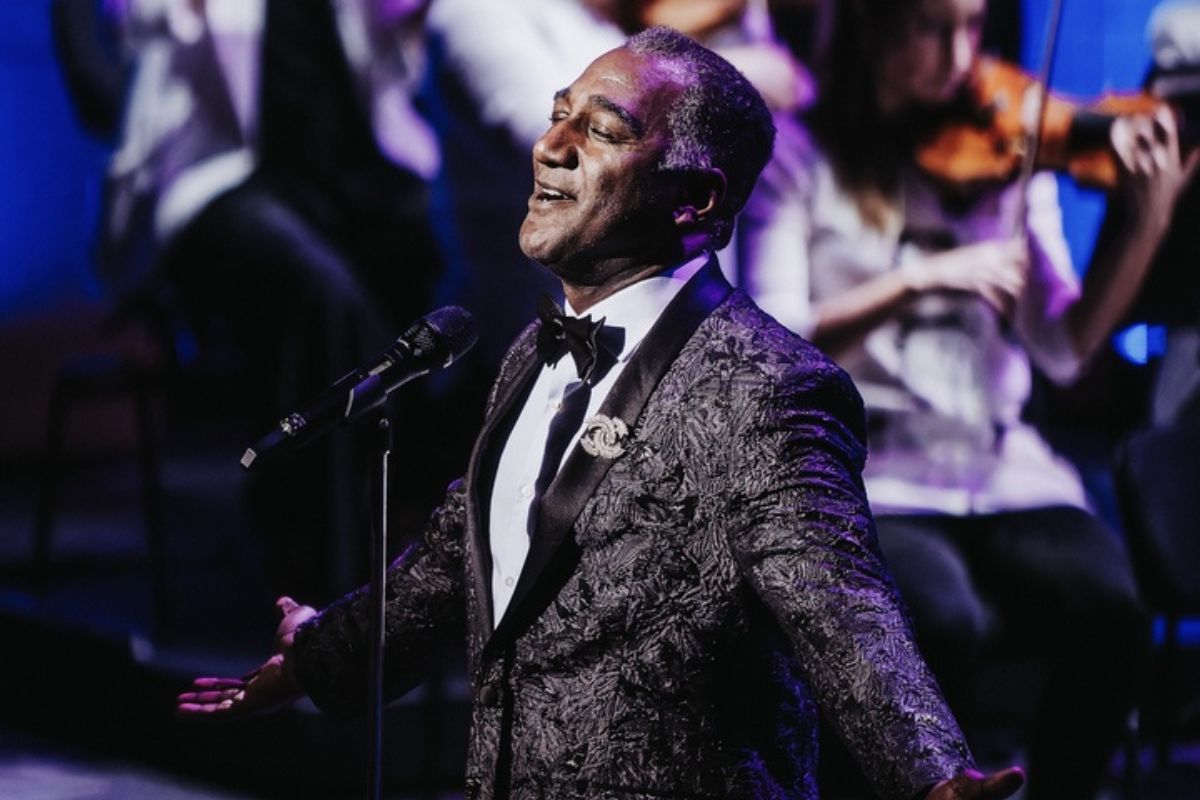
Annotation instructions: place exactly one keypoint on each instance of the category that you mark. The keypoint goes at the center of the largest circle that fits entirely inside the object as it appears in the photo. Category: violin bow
(1034, 138)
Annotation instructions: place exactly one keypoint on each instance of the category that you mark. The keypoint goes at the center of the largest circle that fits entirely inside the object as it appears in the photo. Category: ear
(704, 191)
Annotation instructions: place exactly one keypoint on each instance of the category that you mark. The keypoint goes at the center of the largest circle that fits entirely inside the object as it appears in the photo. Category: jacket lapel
(553, 552)
(513, 386)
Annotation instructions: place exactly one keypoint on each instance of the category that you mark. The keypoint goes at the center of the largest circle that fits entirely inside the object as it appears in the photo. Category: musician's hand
(973, 785)
(269, 687)
(994, 270)
(1153, 173)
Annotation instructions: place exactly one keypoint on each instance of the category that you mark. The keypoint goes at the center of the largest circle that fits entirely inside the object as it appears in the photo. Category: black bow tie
(561, 334)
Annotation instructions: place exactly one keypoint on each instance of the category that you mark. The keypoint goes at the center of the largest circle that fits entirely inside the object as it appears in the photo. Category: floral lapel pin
(603, 436)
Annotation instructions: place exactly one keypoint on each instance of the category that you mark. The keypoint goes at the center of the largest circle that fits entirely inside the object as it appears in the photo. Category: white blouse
(945, 382)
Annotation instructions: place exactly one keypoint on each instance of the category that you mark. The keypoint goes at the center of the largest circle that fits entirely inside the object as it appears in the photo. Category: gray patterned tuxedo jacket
(686, 606)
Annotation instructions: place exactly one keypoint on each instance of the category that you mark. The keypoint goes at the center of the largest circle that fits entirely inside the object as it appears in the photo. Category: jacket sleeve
(425, 613)
(805, 542)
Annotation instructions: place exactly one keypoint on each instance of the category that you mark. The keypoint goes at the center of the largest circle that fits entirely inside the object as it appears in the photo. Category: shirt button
(489, 696)
(527, 491)
(509, 581)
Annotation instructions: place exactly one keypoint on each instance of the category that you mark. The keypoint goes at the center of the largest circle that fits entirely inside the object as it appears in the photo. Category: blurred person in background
(272, 173)
(938, 303)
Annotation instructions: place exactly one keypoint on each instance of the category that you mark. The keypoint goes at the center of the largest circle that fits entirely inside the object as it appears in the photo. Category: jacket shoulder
(756, 356)
(771, 348)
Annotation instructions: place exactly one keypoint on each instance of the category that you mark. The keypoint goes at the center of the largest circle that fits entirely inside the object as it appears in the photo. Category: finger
(1145, 163)
(1164, 158)
(1003, 272)
(1008, 297)
(1190, 166)
(1008, 275)
(1017, 263)
(1012, 288)
(1121, 139)
(205, 709)
(211, 697)
(192, 709)
(997, 299)
(1146, 130)
(218, 683)
(1003, 783)
(1010, 250)
(286, 605)
(1132, 138)
(1147, 147)
(1164, 145)
(1166, 129)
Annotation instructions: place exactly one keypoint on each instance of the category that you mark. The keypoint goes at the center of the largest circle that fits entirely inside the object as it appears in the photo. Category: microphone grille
(451, 328)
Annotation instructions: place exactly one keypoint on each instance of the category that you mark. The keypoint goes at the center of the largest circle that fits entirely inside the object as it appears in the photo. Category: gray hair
(720, 121)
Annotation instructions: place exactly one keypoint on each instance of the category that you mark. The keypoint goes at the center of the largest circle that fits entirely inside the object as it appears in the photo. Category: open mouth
(549, 195)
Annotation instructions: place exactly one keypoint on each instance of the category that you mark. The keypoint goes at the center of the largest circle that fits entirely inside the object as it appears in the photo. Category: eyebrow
(610, 106)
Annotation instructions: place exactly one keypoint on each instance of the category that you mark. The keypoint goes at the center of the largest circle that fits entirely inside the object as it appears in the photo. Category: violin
(989, 139)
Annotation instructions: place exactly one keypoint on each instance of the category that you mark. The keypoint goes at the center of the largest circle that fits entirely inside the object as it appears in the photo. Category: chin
(559, 264)
(543, 246)
(535, 250)
(527, 239)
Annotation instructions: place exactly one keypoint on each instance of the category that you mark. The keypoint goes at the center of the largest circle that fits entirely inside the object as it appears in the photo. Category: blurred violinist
(939, 295)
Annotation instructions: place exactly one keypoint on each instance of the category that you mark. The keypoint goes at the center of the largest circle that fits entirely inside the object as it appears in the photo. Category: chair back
(1157, 474)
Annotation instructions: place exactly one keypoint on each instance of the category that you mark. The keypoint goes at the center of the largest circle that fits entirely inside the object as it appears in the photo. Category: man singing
(661, 553)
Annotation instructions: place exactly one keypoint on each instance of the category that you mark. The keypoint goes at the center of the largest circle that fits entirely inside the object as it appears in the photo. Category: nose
(556, 148)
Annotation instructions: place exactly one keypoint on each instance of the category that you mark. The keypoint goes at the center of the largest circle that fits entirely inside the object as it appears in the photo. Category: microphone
(433, 342)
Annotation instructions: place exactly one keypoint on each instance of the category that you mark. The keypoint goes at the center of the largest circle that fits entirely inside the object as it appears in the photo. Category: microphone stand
(381, 454)
(433, 342)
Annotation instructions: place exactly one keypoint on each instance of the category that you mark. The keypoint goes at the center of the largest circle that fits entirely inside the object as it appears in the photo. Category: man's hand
(974, 785)
(267, 688)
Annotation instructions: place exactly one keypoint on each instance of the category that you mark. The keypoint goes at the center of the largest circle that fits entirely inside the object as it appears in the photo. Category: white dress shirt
(947, 386)
(634, 309)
